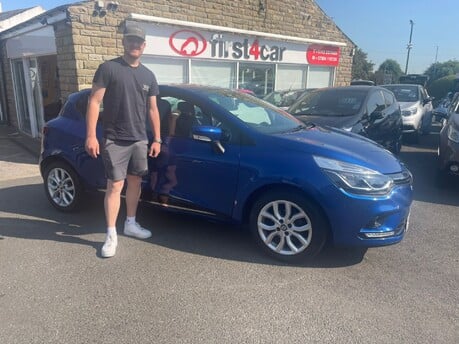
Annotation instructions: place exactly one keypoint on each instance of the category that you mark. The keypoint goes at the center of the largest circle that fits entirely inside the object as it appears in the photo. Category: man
(128, 91)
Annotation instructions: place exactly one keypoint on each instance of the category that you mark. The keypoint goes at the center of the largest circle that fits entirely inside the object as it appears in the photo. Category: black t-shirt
(126, 98)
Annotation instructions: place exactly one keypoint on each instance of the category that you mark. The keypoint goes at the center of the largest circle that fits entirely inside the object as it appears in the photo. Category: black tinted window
(375, 102)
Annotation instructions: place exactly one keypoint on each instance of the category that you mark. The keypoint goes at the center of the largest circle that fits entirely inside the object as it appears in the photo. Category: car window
(405, 93)
(81, 106)
(254, 112)
(181, 117)
(375, 102)
(389, 98)
(330, 102)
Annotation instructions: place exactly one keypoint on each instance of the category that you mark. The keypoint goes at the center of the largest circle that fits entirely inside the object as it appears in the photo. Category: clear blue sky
(381, 28)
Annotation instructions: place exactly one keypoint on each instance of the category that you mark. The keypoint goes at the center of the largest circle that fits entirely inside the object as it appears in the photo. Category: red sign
(324, 55)
(187, 43)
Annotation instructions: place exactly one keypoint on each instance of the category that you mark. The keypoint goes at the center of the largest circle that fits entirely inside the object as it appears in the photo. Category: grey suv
(416, 106)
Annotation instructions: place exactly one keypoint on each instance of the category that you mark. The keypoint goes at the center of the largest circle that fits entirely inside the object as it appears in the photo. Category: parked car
(241, 160)
(416, 105)
(370, 111)
(448, 148)
(285, 98)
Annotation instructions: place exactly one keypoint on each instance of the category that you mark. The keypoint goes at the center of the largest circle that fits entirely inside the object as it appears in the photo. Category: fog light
(380, 235)
(454, 168)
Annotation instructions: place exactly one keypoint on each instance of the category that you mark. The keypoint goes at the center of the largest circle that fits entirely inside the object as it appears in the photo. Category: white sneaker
(109, 248)
(135, 230)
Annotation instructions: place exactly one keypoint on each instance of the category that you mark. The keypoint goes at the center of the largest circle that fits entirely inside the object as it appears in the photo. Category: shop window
(320, 77)
(289, 77)
(258, 78)
(167, 70)
(213, 73)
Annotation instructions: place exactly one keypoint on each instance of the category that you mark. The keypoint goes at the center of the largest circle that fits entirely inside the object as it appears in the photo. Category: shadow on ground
(37, 220)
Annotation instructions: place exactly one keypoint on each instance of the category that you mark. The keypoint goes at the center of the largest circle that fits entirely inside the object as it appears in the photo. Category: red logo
(323, 55)
(187, 43)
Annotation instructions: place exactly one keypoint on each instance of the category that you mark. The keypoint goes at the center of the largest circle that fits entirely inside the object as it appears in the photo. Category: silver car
(416, 106)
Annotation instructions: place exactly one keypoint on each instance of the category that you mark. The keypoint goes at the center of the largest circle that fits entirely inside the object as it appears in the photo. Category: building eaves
(37, 19)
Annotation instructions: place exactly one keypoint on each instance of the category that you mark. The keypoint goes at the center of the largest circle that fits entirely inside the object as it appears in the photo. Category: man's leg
(137, 167)
(132, 194)
(112, 201)
(112, 207)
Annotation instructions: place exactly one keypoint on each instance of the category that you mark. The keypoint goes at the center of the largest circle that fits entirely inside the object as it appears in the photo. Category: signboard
(173, 41)
(324, 55)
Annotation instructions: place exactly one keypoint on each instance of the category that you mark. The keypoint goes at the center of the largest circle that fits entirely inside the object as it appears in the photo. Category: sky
(380, 28)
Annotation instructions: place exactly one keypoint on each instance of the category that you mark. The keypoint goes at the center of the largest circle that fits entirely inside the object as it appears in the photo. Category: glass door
(27, 90)
(35, 83)
(20, 93)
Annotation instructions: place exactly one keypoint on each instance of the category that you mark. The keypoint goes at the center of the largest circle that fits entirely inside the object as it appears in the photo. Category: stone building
(259, 45)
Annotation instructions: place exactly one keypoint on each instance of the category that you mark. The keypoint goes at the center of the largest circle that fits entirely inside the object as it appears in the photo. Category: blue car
(232, 157)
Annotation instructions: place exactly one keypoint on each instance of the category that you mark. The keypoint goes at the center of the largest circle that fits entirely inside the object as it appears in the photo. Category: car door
(191, 173)
(394, 124)
(90, 169)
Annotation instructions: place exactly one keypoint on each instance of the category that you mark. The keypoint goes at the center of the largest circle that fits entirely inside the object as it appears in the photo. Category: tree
(440, 87)
(361, 68)
(440, 70)
(388, 72)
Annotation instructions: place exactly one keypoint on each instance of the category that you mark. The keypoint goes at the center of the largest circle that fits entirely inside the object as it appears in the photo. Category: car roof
(402, 85)
(349, 87)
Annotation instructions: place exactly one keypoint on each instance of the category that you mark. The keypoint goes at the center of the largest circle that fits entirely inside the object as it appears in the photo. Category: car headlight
(410, 111)
(453, 134)
(355, 179)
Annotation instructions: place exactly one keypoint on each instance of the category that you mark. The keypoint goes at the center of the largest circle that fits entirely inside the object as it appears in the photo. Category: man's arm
(92, 115)
(153, 115)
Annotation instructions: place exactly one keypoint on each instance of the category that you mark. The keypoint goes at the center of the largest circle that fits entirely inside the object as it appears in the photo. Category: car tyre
(287, 226)
(63, 186)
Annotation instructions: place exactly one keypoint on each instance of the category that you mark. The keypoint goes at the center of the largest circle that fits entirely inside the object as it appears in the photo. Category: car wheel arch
(71, 180)
(309, 211)
(278, 187)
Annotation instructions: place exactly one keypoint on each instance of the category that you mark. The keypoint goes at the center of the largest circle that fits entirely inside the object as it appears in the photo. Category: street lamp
(409, 46)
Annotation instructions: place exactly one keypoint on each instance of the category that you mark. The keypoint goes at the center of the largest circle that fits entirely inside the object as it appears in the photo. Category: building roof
(9, 14)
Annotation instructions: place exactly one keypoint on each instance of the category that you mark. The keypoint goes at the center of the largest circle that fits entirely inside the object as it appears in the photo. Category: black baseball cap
(134, 31)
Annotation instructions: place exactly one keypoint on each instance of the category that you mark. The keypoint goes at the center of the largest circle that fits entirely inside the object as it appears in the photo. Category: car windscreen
(330, 102)
(283, 98)
(405, 93)
(253, 111)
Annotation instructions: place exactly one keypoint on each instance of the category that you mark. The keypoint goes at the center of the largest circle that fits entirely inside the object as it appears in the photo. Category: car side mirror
(428, 100)
(210, 134)
(375, 115)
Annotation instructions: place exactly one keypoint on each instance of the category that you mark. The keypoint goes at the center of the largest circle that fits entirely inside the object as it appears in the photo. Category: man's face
(133, 46)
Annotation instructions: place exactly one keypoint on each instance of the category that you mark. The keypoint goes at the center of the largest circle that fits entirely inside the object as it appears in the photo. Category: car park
(240, 160)
(370, 111)
(285, 98)
(416, 106)
(448, 147)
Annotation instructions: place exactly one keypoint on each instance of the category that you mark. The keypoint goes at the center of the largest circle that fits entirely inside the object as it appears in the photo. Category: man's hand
(154, 149)
(92, 147)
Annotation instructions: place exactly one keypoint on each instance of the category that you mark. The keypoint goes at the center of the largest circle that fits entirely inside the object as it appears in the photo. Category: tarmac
(19, 154)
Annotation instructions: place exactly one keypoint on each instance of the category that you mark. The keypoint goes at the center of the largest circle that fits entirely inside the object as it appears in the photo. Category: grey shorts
(124, 157)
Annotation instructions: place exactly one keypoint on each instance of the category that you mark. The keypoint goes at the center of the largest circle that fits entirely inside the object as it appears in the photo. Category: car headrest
(185, 107)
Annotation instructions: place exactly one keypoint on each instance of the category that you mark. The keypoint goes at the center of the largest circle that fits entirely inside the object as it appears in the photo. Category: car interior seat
(186, 120)
(165, 109)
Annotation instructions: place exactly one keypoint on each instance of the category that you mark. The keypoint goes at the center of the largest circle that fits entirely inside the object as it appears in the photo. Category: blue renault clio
(229, 156)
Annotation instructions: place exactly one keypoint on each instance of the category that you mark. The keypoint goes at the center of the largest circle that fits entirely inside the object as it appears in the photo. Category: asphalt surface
(200, 282)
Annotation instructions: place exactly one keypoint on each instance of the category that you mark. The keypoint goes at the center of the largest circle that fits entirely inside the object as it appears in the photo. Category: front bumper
(357, 221)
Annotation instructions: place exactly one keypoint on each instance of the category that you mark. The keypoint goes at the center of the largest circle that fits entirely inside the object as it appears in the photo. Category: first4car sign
(171, 41)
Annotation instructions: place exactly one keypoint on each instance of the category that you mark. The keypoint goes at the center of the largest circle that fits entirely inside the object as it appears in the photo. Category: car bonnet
(341, 145)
